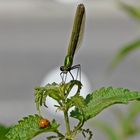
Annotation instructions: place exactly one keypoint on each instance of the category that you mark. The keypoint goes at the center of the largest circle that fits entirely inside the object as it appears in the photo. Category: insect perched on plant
(74, 44)
(43, 123)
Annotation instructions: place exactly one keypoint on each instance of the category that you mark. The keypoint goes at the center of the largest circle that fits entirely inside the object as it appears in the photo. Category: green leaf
(51, 90)
(39, 99)
(3, 131)
(133, 11)
(103, 98)
(68, 87)
(78, 101)
(58, 92)
(124, 51)
(29, 127)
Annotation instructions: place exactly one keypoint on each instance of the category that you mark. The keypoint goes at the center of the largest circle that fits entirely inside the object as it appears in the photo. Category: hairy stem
(68, 133)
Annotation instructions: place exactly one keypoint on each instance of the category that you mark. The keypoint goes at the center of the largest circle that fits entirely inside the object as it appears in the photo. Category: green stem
(68, 132)
(78, 128)
(60, 134)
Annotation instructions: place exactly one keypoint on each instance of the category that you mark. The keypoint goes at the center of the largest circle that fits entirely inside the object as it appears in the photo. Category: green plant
(84, 108)
(128, 48)
(127, 126)
(3, 131)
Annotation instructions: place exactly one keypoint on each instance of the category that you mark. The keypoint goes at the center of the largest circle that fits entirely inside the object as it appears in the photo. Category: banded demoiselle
(75, 41)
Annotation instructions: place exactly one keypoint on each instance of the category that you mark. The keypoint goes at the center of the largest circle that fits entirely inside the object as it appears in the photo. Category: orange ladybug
(43, 123)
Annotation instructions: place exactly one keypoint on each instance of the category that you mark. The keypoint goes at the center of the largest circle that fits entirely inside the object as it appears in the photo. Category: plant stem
(68, 132)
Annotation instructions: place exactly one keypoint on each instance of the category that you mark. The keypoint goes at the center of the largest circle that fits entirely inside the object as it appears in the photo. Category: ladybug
(43, 123)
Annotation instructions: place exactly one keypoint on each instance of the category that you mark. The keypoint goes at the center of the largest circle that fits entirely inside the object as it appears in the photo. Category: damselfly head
(64, 69)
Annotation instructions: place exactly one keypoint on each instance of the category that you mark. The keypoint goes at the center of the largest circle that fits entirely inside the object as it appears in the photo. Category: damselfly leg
(78, 67)
(63, 74)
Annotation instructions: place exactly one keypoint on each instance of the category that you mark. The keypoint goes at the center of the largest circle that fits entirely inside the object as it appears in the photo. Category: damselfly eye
(43, 123)
(62, 68)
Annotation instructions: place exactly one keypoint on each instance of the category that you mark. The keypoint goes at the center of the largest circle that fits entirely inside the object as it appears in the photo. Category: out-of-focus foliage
(107, 129)
(125, 51)
(133, 11)
(127, 125)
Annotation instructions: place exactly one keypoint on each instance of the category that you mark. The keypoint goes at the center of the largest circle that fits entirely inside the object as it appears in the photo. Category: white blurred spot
(54, 76)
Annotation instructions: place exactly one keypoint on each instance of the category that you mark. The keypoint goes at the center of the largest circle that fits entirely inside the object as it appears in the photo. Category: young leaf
(29, 127)
(68, 87)
(52, 90)
(56, 91)
(103, 98)
(78, 101)
(123, 52)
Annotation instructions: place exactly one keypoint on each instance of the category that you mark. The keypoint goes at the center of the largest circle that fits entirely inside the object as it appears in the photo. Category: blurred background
(34, 36)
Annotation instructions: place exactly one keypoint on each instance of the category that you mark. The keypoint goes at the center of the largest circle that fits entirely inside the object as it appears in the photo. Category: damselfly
(74, 44)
